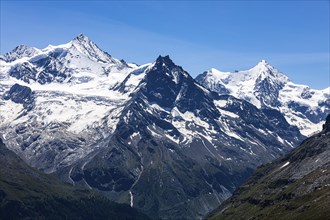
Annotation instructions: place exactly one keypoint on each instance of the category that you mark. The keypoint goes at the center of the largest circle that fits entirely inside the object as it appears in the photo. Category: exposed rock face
(326, 126)
(296, 186)
(149, 136)
(21, 95)
(163, 142)
(26, 193)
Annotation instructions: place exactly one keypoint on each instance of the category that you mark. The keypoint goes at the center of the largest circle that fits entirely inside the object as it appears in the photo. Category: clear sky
(293, 36)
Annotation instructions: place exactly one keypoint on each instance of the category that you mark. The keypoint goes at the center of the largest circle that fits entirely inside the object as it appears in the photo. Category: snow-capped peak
(266, 87)
(263, 70)
(19, 52)
(263, 62)
(81, 38)
(262, 66)
(259, 72)
(83, 43)
(78, 61)
(87, 47)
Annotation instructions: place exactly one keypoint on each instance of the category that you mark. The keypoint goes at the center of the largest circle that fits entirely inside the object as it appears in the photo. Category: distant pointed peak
(166, 60)
(87, 47)
(83, 43)
(21, 47)
(81, 38)
(19, 52)
(165, 66)
(161, 58)
(264, 70)
(262, 65)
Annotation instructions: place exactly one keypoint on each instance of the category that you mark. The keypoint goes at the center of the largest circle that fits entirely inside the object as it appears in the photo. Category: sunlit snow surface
(242, 84)
(86, 106)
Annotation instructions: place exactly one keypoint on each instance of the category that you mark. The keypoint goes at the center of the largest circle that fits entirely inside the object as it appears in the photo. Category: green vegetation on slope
(294, 187)
(26, 193)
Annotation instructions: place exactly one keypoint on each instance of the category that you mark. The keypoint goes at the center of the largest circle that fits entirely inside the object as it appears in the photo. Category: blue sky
(293, 36)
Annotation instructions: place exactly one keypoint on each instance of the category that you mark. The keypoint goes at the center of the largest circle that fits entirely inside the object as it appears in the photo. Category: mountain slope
(296, 186)
(189, 147)
(266, 87)
(26, 193)
(65, 115)
(135, 128)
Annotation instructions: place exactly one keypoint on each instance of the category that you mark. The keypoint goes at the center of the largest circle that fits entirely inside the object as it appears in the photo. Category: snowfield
(265, 87)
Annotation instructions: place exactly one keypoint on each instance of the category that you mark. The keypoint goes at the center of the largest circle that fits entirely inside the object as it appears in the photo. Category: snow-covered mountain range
(266, 87)
(121, 128)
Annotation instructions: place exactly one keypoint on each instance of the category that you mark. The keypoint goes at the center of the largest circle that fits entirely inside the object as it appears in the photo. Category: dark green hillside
(294, 187)
(26, 193)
